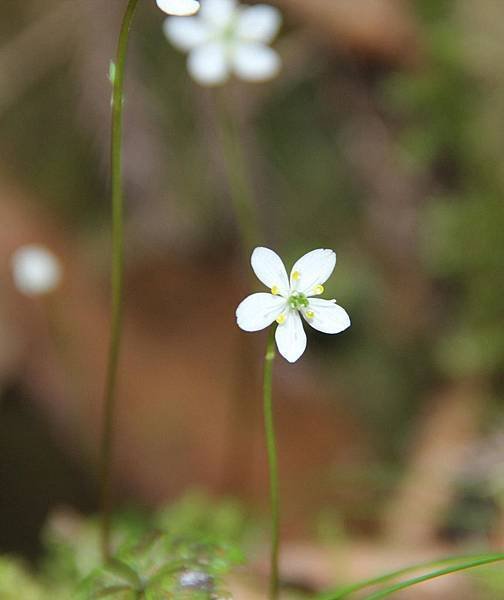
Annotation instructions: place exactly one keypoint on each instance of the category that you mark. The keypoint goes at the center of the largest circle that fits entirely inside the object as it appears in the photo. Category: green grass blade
(360, 585)
(439, 573)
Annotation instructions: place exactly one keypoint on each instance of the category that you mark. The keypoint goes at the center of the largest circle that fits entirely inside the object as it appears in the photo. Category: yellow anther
(296, 275)
(309, 314)
(275, 291)
(281, 319)
(318, 289)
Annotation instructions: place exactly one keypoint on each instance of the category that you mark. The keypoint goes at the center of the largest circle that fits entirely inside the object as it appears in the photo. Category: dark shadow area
(35, 475)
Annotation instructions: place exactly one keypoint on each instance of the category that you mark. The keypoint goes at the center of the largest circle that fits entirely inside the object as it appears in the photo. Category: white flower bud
(179, 8)
(35, 270)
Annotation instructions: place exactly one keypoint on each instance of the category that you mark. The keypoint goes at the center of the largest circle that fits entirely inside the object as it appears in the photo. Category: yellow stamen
(318, 289)
(275, 291)
(281, 319)
(309, 314)
(296, 275)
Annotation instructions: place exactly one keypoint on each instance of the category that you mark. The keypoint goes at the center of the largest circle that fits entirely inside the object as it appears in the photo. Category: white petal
(270, 270)
(218, 13)
(291, 337)
(186, 33)
(208, 64)
(258, 311)
(259, 23)
(180, 8)
(328, 317)
(36, 270)
(255, 62)
(311, 270)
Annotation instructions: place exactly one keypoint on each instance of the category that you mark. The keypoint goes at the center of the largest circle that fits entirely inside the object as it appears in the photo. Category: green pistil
(298, 301)
(229, 32)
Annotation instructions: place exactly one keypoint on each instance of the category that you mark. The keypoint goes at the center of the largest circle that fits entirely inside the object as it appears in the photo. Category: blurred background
(382, 138)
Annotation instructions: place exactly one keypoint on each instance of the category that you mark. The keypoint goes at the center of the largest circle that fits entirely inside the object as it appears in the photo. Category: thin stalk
(269, 357)
(240, 188)
(244, 207)
(116, 277)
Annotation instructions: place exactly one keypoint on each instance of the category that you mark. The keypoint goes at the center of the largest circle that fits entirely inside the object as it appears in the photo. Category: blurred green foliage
(489, 582)
(441, 108)
(183, 551)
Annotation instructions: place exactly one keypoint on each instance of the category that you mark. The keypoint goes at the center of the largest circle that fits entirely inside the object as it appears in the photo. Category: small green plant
(186, 554)
(161, 564)
(183, 551)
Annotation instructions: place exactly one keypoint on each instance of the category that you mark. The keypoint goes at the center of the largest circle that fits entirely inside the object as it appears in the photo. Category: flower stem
(244, 207)
(272, 463)
(240, 188)
(116, 277)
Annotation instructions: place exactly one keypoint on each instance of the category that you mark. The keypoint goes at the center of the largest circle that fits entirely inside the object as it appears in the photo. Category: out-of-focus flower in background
(227, 38)
(180, 8)
(36, 270)
(197, 580)
(289, 299)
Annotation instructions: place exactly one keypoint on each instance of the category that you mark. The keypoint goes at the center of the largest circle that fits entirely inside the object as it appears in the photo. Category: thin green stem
(272, 463)
(117, 277)
(244, 208)
(240, 188)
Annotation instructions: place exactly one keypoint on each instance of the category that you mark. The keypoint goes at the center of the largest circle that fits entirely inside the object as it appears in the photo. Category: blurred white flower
(36, 270)
(197, 580)
(226, 38)
(181, 8)
(290, 297)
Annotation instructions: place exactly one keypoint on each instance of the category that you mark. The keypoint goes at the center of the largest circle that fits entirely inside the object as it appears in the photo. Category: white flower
(289, 298)
(181, 8)
(35, 270)
(225, 38)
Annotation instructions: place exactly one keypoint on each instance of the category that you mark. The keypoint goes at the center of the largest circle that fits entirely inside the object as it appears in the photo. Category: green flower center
(298, 301)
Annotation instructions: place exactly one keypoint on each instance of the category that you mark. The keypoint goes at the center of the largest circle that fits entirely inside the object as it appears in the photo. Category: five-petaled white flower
(289, 298)
(225, 38)
(36, 270)
(181, 8)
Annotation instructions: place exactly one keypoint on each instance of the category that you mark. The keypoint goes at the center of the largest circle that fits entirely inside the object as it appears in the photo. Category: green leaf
(111, 591)
(124, 571)
(112, 72)
(167, 570)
